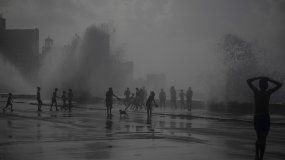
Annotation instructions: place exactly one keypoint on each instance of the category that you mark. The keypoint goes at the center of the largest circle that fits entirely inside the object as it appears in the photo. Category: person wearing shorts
(261, 113)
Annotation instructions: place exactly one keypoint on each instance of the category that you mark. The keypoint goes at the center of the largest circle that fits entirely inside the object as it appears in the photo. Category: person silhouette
(39, 99)
(149, 104)
(53, 100)
(261, 111)
(109, 101)
(9, 103)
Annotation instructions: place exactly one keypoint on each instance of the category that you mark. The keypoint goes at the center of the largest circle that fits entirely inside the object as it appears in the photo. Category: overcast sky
(175, 37)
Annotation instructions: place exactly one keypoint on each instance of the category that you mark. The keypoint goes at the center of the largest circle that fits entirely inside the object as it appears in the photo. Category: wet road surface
(86, 133)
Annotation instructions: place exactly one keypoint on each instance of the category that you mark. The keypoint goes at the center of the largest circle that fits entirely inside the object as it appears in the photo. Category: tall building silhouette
(20, 47)
(47, 46)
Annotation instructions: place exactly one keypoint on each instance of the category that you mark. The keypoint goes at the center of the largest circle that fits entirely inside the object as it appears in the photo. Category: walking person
(261, 111)
(53, 100)
(9, 103)
(189, 95)
(39, 99)
(149, 102)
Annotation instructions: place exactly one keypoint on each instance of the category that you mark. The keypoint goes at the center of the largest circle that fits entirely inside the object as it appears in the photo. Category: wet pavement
(86, 133)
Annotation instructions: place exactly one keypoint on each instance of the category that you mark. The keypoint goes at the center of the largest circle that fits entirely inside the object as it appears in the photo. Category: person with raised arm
(109, 101)
(261, 111)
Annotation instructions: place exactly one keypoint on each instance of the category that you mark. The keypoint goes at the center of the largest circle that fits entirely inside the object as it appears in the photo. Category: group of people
(261, 97)
(139, 100)
(66, 100)
(135, 100)
(182, 95)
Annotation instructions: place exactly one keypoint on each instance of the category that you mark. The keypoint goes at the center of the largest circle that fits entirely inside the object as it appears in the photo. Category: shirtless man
(261, 114)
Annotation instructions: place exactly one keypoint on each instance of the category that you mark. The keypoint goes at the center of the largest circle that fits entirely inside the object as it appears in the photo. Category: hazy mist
(177, 37)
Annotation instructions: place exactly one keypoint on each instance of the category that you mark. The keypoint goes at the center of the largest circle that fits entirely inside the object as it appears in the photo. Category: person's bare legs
(262, 144)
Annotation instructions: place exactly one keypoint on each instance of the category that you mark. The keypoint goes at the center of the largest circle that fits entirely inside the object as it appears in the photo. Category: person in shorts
(261, 113)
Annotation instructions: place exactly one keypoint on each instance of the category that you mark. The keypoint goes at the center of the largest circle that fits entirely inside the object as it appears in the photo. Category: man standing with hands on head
(261, 113)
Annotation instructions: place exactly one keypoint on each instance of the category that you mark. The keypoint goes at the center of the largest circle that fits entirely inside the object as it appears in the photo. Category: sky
(175, 37)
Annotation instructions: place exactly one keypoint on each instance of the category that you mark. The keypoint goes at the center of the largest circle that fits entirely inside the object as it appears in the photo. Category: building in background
(48, 45)
(87, 64)
(20, 47)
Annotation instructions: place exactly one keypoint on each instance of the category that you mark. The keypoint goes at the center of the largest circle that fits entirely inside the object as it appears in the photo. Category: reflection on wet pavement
(89, 134)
